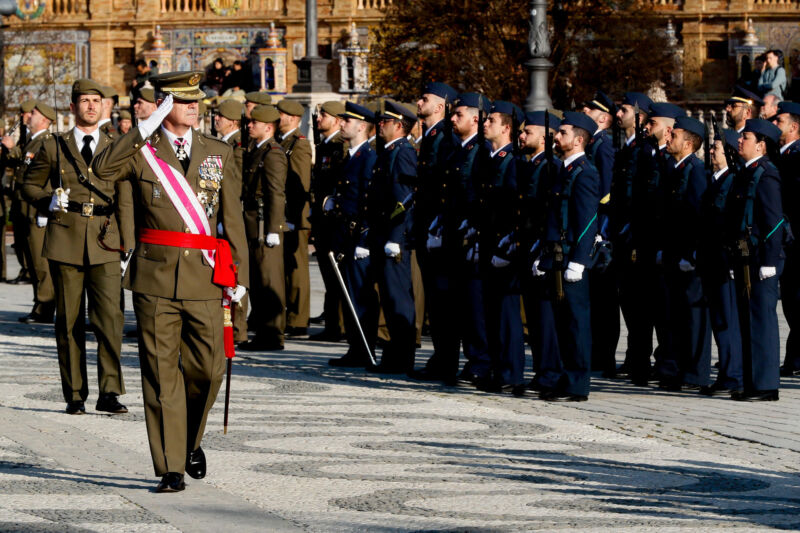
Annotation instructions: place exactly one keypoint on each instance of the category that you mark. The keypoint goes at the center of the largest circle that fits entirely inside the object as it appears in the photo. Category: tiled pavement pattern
(320, 449)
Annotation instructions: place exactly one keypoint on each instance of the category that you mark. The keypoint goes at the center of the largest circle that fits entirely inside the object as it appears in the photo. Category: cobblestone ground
(320, 449)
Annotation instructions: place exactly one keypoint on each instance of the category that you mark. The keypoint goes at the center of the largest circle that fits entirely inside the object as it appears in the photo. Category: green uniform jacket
(72, 238)
(21, 159)
(264, 178)
(169, 271)
(298, 179)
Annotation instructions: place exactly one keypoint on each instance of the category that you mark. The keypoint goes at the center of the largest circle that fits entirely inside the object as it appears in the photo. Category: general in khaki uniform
(82, 244)
(264, 182)
(298, 225)
(177, 295)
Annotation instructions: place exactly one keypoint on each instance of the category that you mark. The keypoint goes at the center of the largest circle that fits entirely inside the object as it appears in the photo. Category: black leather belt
(88, 209)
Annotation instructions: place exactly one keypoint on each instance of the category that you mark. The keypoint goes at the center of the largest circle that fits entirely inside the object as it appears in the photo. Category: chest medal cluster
(210, 182)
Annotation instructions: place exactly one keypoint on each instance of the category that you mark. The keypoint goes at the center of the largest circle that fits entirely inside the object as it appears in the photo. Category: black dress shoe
(640, 381)
(325, 336)
(610, 373)
(561, 396)
(261, 345)
(426, 374)
(534, 386)
(320, 319)
(755, 396)
(76, 408)
(622, 372)
(487, 384)
(196, 464)
(670, 384)
(292, 331)
(347, 361)
(787, 372)
(35, 318)
(467, 378)
(691, 387)
(110, 404)
(718, 389)
(171, 482)
(519, 390)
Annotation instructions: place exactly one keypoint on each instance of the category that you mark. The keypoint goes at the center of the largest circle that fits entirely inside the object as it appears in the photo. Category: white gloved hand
(273, 240)
(362, 253)
(659, 257)
(41, 221)
(434, 241)
(574, 272)
(329, 204)
(220, 229)
(123, 263)
(598, 238)
(499, 262)
(148, 126)
(235, 295)
(60, 200)
(391, 249)
(535, 270)
(731, 273)
(685, 265)
(290, 226)
(766, 272)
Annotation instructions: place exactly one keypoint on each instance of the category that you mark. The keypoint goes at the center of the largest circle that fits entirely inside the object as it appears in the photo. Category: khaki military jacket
(235, 142)
(73, 238)
(264, 179)
(20, 159)
(109, 129)
(298, 179)
(169, 271)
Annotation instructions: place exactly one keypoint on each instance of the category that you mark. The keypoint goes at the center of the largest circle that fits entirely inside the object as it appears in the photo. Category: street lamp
(539, 63)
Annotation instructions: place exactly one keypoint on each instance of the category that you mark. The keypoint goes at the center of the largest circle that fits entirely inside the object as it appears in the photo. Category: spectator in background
(238, 80)
(143, 73)
(773, 75)
(125, 122)
(215, 76)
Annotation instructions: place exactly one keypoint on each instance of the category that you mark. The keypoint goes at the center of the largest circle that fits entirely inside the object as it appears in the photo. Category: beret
(579, 120)
(633, 98)
(333, 107)
(45, 110)
(86, 86)
(108, 91)
(691, 125)
(265, 113)
(666, 110)
(763, 127)
(148, 95)
(231, 109)
(27, 106)
(291, 107)
(789, 107)
(441, 90)
(258, 97)
(353, 110)
(124, 115)
(536, 118)
(475, 100)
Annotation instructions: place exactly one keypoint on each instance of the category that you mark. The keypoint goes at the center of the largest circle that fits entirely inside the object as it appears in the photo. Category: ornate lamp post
(539, 63)
(312, 70)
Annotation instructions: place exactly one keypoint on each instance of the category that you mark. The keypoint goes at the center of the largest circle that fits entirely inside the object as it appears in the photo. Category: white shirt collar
(536, 156)
(415, 140)
(572, 158)
(171, 136)
(372, 138)
(719, 173)
(682, 160)
(352, 151)
(39, 133)
(231, 134)
(429, 129)
(259, 145)
(285, 135)
(662, 146)
(79, 135)
(740, 130)
(500, 150)
(630, 139)
(752, 161)
(329, 137)
(786, 146)
(468, 139)
(387, 145)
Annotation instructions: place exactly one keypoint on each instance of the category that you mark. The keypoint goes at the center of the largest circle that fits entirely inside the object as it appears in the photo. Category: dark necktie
(183, 157)
(86, 151)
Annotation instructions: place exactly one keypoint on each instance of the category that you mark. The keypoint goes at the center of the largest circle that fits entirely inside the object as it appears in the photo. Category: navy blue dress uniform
(714, 266)
(789, 166)
(536, 179)
(758, 221)
(390, 195)
(688, 362)
(498, 235)
(435, 148)
(569, 237)
(350, 229)
(600, 151)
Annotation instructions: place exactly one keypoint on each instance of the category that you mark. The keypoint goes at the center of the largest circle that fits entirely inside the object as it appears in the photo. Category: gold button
(187, 230)
(185, 253)
(91, 199)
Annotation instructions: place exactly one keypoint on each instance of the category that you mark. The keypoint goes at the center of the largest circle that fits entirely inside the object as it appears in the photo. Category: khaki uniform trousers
(298, 278)
(44, 295)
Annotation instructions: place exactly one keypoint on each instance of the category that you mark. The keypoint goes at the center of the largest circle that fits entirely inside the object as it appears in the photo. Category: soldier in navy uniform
(758, 222)
(605, 302)
(497, 251)
(569, 235)
(435, 147)
(714, 265)
(788, 121)
(536, 178)
(346, 211)
(687, 364)
(390, 223)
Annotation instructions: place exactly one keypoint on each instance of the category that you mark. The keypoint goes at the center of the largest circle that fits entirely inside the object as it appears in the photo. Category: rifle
(213, 123)
(245, 133)
(317, 135)
(730, 158)
(637, 122)
(59, 189)
(744, 253)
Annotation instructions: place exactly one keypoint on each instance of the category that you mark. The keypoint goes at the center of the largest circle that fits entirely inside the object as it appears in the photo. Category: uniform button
(187, 230)
(185, 253)
(91, 199)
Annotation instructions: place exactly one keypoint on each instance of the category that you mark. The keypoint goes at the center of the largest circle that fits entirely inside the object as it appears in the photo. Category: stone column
(539, 63)
(312, 70)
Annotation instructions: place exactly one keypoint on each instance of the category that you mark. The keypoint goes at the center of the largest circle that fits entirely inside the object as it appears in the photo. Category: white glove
(289, 226)
(766, 272)
(220, 229)
(535, 270)
(392, 249)
(235, 295)
(434, 241)
(499, 262)
(731, 273)
(574, 272)
(362, 253)
(598, 238)
(123, 264)
(148, 126)
(60, 200)
(685, 265)
(472, 254)
(659, 257)
(41, 221)
(273, 240)
(329, 204)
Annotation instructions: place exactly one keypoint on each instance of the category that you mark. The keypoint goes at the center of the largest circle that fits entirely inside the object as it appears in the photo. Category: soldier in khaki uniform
(264, 182)
(145, 103)
(298, 225)
(177, 302)
(44, 303)
(82, 243)
(109, 99)
(255, 98)
(228, 120)
(125, 122)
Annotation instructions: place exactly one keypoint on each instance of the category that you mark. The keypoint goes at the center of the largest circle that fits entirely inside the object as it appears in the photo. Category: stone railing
(60, 8)
(372, 4)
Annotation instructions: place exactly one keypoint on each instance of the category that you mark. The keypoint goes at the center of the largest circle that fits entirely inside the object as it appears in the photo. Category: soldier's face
(225, 125)
(87, 109)
(601, 117)
(258, 130)
(429, 105)
(737, 112)
(531, 138)
(143, 109)
(660, 128)
(326, 122)
(464, 121)
(493, 127)
(26, 118)
(184, 113)
(388, 129)
(38, 121)
(786, 125)
(749, 147)
(626, 117)
(350, 128)
(718, 156)
(676, 142)
(566, 140)
(125, 125)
